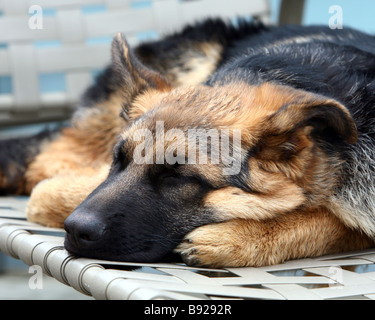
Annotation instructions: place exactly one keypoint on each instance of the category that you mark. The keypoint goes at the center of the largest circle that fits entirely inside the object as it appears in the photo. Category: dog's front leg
(242, 243)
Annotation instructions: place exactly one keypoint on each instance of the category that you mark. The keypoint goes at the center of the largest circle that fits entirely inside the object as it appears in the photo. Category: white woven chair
(80, 33)
(340, 276)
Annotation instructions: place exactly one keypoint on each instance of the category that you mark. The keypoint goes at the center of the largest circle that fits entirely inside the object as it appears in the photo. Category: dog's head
(199, 155)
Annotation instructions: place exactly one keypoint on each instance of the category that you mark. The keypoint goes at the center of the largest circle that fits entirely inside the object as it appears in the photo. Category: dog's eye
(176, 179)
(171, 176)
(120, 161)
(168, 176)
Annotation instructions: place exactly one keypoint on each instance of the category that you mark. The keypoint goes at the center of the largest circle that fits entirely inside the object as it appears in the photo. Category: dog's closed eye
(171, 177)
(120, 158)
(168, 176)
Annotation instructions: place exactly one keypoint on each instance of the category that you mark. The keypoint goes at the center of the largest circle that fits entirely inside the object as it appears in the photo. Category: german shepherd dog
(294, 107)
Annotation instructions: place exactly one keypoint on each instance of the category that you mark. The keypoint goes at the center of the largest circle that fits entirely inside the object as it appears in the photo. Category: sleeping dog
(235, 146)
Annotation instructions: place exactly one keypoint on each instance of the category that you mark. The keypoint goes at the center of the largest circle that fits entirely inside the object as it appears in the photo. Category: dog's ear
(133, 75)
(297, 126)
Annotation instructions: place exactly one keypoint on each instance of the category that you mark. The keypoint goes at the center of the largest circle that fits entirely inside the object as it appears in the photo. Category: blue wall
(357, 14)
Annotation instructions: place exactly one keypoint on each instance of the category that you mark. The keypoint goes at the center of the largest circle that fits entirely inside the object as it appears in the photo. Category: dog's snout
(83, 230)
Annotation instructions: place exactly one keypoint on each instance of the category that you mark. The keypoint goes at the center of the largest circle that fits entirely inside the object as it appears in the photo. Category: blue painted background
(357, 14)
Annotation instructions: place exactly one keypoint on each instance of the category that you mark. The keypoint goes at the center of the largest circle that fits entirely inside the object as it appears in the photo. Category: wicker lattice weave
(343, 276)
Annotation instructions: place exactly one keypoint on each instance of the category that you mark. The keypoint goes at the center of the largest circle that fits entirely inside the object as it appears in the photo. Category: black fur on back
(339, 64)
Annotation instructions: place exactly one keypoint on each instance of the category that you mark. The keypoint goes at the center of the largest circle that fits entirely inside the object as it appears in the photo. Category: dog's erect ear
(297, 125)
(133, 75)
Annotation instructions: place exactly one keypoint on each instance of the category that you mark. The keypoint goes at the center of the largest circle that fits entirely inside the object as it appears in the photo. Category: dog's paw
(46, 206)
(214, 245)
(54, 199)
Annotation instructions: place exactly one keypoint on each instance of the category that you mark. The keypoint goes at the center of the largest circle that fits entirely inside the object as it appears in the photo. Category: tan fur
(284, 167)
(198, 65)
(82, 148)
(233, 203)
(291, 177)
(73, 165)
(282, 215)
(53, 200)
(192, 64)
(241, 242)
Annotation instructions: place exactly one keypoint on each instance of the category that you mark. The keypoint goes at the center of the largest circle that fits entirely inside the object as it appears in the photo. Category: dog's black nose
(83, 229)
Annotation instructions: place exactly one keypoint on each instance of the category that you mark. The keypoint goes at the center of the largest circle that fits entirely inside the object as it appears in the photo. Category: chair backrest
(51, 49)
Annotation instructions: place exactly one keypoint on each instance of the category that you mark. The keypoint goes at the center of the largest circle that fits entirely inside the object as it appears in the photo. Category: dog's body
(302, 98)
